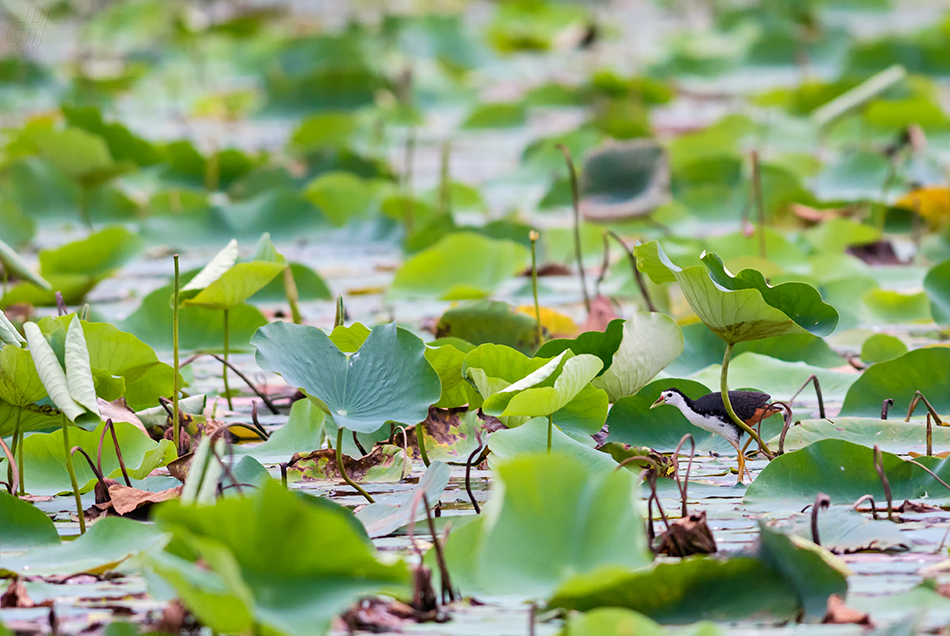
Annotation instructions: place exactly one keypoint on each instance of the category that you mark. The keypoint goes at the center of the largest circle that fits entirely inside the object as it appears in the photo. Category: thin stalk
(15, 440)
(468, 474)
(340, 467)
(72, 476)
(420, 442)
(224, 368)
(445, 180)
(550, 430)
(340, 312)
(918, 398)
(930, 436)
(175, 353)
(821, 402)
(293, 297)
(20, 461)
(439, 554)
(861, 500)
(13, 481)
(533, 235)
(886, 407)
(283, 475)
(118, 451)
(266, 400)
(821, 501)
(576, 200)
(637, 276)
(409, 204)
(84, 206)
(885, 484)
(724, 389)
(759, 202)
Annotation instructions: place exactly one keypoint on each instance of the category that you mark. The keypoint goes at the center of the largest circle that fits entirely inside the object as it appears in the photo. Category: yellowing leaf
(557, 324)
(933, 204)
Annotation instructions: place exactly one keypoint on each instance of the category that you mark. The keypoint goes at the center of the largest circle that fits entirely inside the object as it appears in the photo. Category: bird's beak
(658, 402)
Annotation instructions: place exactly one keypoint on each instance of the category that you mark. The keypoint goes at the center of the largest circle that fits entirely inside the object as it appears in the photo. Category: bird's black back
(744, 403)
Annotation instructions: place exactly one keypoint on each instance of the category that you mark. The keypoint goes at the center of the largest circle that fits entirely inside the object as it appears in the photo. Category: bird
(709, 414)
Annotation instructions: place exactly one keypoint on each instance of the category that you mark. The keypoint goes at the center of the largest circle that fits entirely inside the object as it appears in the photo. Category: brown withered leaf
(385, 463)
(659, 463)
(445, 430)
(840, 614)
(126, 500)
(686, 536)
(550, 269)
(379, 616)
(601, 313)
(119, 411)
(879, 253)
(16, 597)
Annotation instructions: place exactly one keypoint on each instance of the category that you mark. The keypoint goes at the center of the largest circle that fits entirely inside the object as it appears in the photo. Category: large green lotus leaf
(937, 286)
(735, 316)
(108, 542)
(216, 267)
(894, 436)
(547, 389)
(288, 592)
(490, 321)
(497, 115)
(119, 354)
(842, 530)
(778, 378)
(447, 362)
(836, 234)
(16, 267)
(199, 328)
(493, 367)
(20, 384)
(23, 525)
(800, 302)
(310, 286)
(894, 307)
(461, 265)
(603, 344)
(387, 380)
(45, 463)
(236, 285)
(632, 421)
(650, 342)
(616, 620)
(696, 588)
(532, 437)
(924, 370)
(814, 572)
(16, 226)
(302, 433)
(553, 517)
(704, 348)
(743, 307)
(844, 471)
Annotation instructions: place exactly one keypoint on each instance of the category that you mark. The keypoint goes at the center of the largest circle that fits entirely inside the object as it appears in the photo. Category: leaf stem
(175, 353)
(72, 476)
(637, 276)
(421, 443)
(576, 201)
(550, 430)
(533, 235)
(293, 296)
(759, 202)
(224, 368)
(16, 440)
(724, 390)
(340, 467)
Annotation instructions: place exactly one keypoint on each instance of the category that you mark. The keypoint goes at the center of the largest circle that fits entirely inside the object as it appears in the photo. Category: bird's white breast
(713, 425)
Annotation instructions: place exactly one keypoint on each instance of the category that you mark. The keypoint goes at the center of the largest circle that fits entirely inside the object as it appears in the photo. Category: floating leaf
(532, 437)
(382, 519)
(844, 471)
(924, 370)
(893, 436)
(302, 433)
(385, 463)
(461, 265)
(625, 179)
(843, 530)
(108, 543)
(347, 386)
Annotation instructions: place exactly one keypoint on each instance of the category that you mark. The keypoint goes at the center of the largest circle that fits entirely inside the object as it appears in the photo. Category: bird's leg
(742, 467)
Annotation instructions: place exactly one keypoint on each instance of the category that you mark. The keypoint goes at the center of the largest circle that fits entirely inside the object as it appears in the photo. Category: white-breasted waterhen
(709, 413)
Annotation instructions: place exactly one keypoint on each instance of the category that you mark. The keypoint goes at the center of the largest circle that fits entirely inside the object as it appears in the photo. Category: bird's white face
(670, 397)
